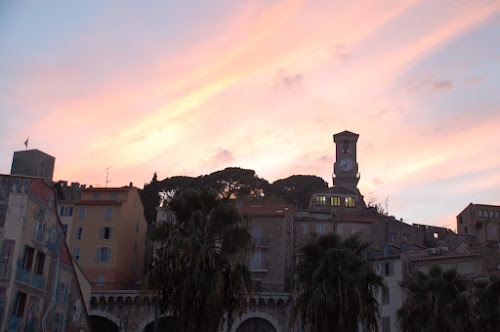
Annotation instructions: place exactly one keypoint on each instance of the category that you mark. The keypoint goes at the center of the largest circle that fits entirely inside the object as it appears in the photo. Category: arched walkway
(256, 324)
(102, 324)
(165, 324)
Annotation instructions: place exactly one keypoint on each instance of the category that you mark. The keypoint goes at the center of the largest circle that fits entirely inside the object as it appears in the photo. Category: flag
(26, 142)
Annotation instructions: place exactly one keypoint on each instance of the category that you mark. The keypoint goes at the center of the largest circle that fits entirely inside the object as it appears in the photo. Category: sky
(192, 87)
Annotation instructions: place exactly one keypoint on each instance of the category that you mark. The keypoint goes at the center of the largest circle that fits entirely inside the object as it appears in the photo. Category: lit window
(79, 233)
(321, 199)
(81, 212)
(103, 254)
(350, 202)
(335, 201)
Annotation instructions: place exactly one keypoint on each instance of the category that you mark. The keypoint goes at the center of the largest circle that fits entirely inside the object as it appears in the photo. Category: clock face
(346, 164)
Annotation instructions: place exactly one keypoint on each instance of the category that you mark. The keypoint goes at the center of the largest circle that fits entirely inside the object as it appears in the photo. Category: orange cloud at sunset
(187, 90)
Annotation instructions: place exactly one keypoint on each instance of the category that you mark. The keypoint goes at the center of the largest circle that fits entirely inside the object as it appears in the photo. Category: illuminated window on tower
(321, 200)
(335, 201)
(350, 202)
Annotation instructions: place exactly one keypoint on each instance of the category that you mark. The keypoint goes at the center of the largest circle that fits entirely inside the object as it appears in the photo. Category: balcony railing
(30, 278)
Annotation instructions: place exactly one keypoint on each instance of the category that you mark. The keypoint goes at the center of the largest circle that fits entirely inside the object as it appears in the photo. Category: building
(481, 222)
(33, 163)
(106, 233)
(40, 287)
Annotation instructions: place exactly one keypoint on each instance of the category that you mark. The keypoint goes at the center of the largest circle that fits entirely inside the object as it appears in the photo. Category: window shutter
(108, 254)
(102, 233)
(98, 254)
(111, 232)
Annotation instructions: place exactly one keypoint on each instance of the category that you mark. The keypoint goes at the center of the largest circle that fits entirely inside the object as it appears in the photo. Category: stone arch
(256, 314)
(150, 319)
(106, 315)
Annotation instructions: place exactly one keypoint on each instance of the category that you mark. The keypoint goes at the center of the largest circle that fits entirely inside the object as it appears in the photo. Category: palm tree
(435, 302)
(335, 285)
(198, 266)
(486, 304)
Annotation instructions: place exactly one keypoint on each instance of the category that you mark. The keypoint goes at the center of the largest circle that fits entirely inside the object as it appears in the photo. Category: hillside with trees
(235, 183)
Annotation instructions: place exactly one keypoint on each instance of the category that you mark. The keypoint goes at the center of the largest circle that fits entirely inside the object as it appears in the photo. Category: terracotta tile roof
(267, 210)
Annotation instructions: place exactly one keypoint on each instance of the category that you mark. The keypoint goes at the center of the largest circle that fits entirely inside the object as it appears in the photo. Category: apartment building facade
(39, 285)
(106, 233)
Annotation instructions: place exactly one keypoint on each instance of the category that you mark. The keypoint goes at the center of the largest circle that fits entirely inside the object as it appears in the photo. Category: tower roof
(344, 134)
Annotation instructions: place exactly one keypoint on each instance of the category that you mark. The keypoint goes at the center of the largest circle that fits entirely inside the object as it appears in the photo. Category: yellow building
(106, 235)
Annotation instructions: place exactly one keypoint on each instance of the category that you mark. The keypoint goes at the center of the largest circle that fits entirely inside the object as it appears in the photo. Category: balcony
(29, 278)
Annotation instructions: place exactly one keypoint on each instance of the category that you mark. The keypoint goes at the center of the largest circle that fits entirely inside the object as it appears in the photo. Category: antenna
(387, 205)
(107, 176)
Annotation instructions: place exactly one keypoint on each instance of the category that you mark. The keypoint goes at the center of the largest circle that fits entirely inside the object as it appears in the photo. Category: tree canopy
(199, 262)
(335, 285)
(436, 301)
(235, 182)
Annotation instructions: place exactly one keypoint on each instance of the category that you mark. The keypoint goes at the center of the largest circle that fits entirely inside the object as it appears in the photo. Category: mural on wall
(27, 203)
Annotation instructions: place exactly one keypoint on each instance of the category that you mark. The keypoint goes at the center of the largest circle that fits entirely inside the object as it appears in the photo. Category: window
(29, 252)
(79, 233)
(81, 212)
(76, 253)
(137, 226)
(345, 146)
(97, 196)
(66, 211)
(65, 227)
(305, 229)
(491, 214)
(114, 196)
(386, 324)
(386, 299)
(257, 234)
(108, 213)
(460, 220)
(388, 269)
(320, 228)
(20, 304)
(39, 262)
(256, 262)
(392, 237)
(497, 215)
(350, 202)
(494, 230)
(100, 280)
(106, 233)
(103, 254)
(335, 201)
(480, 213)
(321, 200)
(406, 237)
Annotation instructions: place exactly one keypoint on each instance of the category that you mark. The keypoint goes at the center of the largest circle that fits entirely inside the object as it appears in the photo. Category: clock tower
(345, 168)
